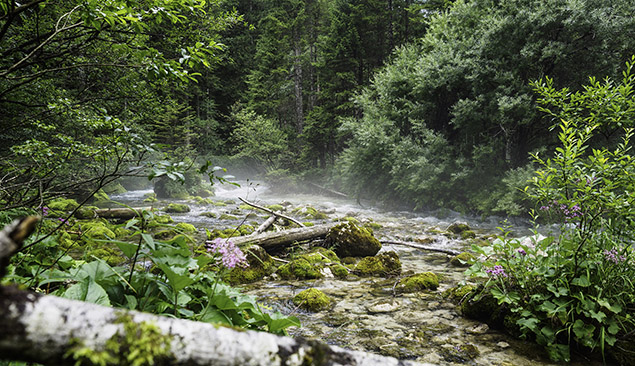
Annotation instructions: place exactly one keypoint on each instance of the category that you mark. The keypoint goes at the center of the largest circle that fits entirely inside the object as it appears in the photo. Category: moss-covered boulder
(185, 227)
(211, 215)
(459, 293)
(312, 265)
(350, 240)
(312, 300)
(100, 197)
(260, 265)
(95, 230)
(112, 256)
(462, 259)
(86, 213)
(275, 207)
(482, 306)
(458, 227)
(227, 217)
(63, 204)
(299, 269)
(115, 188)
(418, 282)
(310, 212)
(383, 264)
(468, 234)
(177, 208)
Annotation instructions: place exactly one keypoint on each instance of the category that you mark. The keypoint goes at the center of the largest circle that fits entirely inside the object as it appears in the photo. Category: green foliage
(260, 139)
(443, 122)
(576, 287)
(158, 277)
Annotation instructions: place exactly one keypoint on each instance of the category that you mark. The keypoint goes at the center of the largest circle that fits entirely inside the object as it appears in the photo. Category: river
(367, 314)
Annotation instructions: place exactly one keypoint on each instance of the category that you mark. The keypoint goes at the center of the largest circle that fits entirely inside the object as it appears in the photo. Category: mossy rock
(310, 212)
(462, 259)
(165, 234)
(163, 219)
(225, 233)
(349, 219)
(185, 227)
(383, 264)
(150, 198)
(468, 234)
(227, 217)
(100, 197)
(312, 300)
(115, 188)
(260, 265)
(300, 269)
(177, 208)
(460, 354)
(482, 306)
(244, 206)
(350, 240)
(121, 232)
(459, 293)
(276, 207)
(339, 271)
(372, 226)
(219, 203)
(211, 215)
(63, 204)
(112, 256)
(96, 230)
(86, 213)
(203, 201)
(458, 227)
(418, 282)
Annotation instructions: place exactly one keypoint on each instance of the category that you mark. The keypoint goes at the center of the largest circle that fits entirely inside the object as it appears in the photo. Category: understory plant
(161, 277)
(575, 287)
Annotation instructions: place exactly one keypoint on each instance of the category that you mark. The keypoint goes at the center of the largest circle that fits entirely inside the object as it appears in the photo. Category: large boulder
(350, 240)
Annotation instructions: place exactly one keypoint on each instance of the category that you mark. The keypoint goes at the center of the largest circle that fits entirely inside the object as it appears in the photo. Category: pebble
(502, 345)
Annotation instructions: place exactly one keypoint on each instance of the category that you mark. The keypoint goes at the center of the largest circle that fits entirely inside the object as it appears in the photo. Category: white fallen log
(265, 225)
(40, 328)
(422, 247)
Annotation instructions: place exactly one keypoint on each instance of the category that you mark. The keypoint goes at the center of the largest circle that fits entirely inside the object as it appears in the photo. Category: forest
(505, 108)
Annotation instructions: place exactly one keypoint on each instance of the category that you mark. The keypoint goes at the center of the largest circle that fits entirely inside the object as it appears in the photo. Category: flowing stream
(367, 314)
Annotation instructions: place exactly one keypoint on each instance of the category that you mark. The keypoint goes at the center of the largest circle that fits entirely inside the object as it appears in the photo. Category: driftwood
(278, 214)
(274, 241)
(44, 329)
(265, 225)
(422, 247)
(119, 213)
(328, 191)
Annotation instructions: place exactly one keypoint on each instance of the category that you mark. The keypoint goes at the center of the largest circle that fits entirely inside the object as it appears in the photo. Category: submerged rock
(312, 265)
(312, 300)
(350, 240)
(383, 264)
(458, 227)
(177, 208)
(460, 354)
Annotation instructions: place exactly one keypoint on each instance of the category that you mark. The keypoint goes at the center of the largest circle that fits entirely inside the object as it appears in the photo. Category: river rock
(384, 306)
(350, 240)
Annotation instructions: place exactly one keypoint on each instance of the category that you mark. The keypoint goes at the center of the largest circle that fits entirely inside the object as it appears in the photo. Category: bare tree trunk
(297, 78)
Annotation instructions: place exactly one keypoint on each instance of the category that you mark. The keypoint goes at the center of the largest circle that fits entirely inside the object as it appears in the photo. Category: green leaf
(89, 291)
(177, 281)
(149, 240)
(128, 249)
(581, 281)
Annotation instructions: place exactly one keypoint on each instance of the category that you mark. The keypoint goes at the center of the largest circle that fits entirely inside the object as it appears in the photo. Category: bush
(576, 287)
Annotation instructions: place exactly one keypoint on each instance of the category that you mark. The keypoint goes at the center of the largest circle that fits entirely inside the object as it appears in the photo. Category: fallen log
(45, 329)
(422, 247)
(278, 214)
(274, 241)
(265, 225)
(49, 330)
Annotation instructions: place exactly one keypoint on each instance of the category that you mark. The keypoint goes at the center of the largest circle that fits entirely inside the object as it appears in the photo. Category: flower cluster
(230, 255)
(612, 256)
(496, 271)
(45, 210)
(568, 212)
